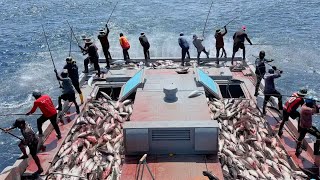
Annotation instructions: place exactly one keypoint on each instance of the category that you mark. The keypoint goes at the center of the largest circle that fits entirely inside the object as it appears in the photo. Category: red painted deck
(180, 167)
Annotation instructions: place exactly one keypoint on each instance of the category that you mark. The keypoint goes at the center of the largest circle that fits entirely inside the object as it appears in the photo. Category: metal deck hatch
(131, 85)
(208, 83)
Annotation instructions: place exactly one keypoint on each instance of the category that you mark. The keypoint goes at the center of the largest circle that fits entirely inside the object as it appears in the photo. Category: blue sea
(289, 30)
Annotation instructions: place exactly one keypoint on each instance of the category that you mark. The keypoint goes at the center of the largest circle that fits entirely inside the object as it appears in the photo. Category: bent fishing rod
(204, 28)
(112, 12)
(73, 33)
(11, 134)
(285, 95)
(54, 66)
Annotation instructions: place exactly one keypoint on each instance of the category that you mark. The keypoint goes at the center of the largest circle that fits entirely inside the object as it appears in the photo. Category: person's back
(93, 51)
(67, 87)
(260, 66)
(72, 71)
(124, 42)
(197, 42)
(269, 82)
(183, 43)
(46, 105)
(239, 36)
(28, 134)
(293, 103)
(144, 41)
(103, 40)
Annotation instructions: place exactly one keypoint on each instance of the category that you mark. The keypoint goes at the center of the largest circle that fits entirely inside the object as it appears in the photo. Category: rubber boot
(81, 98)
(298, 148)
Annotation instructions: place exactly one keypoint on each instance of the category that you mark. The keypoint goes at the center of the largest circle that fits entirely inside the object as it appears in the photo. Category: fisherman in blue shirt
(183, 43)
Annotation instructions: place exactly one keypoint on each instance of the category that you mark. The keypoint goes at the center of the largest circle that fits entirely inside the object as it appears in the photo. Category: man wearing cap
(146, 45)
(260, 70)
(103, 37)
(197, 42)
(238, 42)
(67, 90)
(269, 88)
(30, 140)
(93, 57)
(183, 43)
(73, 74)
(290, 108)
(125, 47)
(307, 110)
(220, 43)
(45, 104)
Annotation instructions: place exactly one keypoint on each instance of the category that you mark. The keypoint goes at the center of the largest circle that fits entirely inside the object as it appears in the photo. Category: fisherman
(73, 74)
(93, 57)
(183, 43)
(269, 88)
(125, 47)
(260, 69)
(290, 108)
(238, 42)
(103, 37)
(197, 42)
(220, 42)
(146, 45)
(307, 110)
(67, 90)
(30, 140)
(48, 110)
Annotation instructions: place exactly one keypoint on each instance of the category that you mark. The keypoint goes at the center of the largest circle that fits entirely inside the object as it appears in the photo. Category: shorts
(237, 46)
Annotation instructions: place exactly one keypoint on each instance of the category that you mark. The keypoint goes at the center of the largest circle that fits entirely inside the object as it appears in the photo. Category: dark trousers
(199, 53)
(53, 120)
(236, 48)
(313, 131)
(71, 98)
(126, 55)
(267, 97)
(76, 85)
(259, 78)
(146, 53)
(107, 55)
(184, 51)
(218, 52)
(286, 115)
(95, 61)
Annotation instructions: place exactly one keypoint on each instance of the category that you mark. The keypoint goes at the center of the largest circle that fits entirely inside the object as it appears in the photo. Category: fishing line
(112, 12)
(204, 28)
(73, 33)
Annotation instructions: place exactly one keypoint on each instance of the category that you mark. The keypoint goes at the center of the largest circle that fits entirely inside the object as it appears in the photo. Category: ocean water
(290, 30)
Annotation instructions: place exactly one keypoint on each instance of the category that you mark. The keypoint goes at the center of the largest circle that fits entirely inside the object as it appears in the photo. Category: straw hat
(302, 92)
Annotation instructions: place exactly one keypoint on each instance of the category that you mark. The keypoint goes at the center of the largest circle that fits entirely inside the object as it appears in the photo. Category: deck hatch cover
(131, 85)
(170, 135)
(208, 83)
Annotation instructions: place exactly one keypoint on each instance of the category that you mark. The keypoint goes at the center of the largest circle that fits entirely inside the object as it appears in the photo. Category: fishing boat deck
(165, 166)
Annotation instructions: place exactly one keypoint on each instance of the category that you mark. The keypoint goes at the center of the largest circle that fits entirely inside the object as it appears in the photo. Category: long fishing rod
(285, 95)
(54, 66)
(266, 44)
(204, 28)
(18, 114)
(231, 21)
(11, 134)
(73, 33)
(112, 12)
(70, 43)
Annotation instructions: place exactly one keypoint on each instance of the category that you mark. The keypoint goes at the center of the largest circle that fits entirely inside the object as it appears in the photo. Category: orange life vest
(124, 42)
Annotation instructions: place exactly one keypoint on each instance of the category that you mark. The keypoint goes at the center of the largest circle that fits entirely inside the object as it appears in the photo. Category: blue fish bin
(206, 81)
(131, 85)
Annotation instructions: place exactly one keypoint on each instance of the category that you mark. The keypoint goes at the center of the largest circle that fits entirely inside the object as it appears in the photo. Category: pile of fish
(94, 147)
(246, 148)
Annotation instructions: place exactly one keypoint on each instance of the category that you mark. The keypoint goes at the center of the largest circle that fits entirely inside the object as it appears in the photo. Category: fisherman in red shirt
(46, 106)
(290, 108)
(307, 110)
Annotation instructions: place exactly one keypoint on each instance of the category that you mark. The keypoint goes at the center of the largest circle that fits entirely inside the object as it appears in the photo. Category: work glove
(6, 130)
(106, 25)
(225, 27)
(28, 113)
(271, 60)
(274, 67)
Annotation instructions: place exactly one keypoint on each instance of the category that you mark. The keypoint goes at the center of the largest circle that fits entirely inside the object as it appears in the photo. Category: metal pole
(112, 12)
(54, 66)
(204, 28)
(11, 134)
